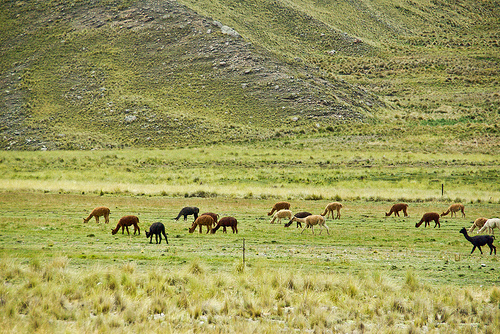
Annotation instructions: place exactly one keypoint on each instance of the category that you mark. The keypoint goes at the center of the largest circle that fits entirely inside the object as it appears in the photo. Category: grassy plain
(310, 171)
(370, 274)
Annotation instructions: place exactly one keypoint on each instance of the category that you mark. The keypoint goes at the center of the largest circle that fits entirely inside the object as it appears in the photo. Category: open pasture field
(370, 274)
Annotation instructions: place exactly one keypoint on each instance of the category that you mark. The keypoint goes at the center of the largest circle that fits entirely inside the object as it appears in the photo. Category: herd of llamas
(281, 210)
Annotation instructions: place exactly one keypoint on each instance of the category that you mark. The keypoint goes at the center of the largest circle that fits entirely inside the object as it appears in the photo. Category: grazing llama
(479, 222)
(490, 224)
(202, 221)
(187, 211)
(157, 229)
(125, 222)
(302, 214)
(281, 214)
(334, 206)
(98, 212)
(279, 206)
(396, 208)
(214, 216)
(427, 218)
(312, 221)
(454, 208)
(225, 222)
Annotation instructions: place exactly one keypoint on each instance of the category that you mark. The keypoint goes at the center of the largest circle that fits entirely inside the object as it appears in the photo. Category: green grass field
(370, 274)
(318, 170)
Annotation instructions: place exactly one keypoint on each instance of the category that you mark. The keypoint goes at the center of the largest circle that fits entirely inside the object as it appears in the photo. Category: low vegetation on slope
(90, 75)
(114, 74)
(435, 63)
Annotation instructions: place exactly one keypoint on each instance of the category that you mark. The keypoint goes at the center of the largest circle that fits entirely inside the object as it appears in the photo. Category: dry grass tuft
(248, 302)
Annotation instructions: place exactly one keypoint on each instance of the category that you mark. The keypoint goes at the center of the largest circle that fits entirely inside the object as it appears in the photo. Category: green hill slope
(150, 74)
(113, 74)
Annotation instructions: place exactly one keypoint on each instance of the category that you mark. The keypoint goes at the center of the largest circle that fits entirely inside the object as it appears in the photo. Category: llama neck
(467, 236)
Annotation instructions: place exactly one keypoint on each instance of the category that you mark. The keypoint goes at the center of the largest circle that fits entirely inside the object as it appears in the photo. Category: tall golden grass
(53, 296)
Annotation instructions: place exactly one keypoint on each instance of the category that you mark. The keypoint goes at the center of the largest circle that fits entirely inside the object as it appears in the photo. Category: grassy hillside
(435, 63)
(114, 74)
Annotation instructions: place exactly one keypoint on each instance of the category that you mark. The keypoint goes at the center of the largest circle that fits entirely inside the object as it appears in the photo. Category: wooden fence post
(243, 253)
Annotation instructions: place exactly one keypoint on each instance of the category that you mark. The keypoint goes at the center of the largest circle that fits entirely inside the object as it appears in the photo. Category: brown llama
(454, 208)
(202, 221)
(479, 222)
(224, 222)
(214, 216)
(279, 206)
(396, 208)
(97, 212)
(329, 210)
(125, 222)
(427, 218)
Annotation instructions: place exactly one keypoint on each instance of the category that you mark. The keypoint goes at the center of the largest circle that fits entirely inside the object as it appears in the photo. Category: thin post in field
(243, 253)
